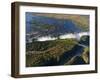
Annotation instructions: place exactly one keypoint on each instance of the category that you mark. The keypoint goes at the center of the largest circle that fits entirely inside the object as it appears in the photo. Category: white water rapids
(65, 36)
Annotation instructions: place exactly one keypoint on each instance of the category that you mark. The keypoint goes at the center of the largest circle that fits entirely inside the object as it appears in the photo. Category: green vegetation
(41, 46)
(42, 26)
(39, 53)
(82, 26)
(85, 55)
(81, 21)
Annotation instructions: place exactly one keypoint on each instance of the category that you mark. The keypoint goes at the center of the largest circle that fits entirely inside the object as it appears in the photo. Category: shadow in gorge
(75, 51)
